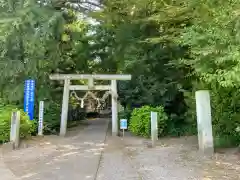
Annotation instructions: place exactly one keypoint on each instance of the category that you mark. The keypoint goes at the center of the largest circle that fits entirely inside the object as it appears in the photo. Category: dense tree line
(172, 48)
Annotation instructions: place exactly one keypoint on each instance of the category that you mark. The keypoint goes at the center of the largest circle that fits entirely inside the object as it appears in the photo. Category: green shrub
(52, 116)
(126, 114)
(140, 122)
(27, 127)
(225, 113)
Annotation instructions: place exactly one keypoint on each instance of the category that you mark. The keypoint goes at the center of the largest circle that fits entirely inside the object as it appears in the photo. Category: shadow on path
(74, 157)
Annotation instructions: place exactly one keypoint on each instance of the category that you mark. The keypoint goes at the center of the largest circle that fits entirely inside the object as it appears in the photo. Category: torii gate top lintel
(90, 76)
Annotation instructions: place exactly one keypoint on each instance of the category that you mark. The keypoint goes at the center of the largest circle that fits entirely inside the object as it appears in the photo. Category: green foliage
(213, 43)
(140, 34)
(27, 127)
(140, 122)
(225, 113)
(52, 115)
(226, 110)
(28, 44)
(37, 39)
(126, 114)
(180, 126)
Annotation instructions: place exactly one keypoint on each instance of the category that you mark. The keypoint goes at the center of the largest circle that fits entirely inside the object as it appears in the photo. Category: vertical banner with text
(40, 118)
(29, 93)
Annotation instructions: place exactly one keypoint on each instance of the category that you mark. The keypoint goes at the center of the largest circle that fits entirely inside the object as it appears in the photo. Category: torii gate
(90, 77)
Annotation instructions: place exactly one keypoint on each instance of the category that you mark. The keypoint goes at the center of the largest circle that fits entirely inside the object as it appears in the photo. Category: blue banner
(29, 94)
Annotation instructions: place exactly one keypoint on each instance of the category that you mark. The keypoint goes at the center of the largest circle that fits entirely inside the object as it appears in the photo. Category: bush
(76, 113)
(140, 122)
(225, 113)
(226, 116)
(27, 127)
(126, 114)
(52, 116)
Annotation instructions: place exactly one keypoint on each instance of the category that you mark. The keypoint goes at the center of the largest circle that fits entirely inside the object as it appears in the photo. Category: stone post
(204, 121)
(154, 128)
(15, 128)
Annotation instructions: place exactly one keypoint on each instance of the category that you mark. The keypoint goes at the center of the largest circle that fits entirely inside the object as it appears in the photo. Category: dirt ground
(90, 152)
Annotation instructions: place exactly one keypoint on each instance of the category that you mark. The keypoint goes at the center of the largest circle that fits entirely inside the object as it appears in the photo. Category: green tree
(38, 39)
(138, 38)
(26, 29)
(213, 42)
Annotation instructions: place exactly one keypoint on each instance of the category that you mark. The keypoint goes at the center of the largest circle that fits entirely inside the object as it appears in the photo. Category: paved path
(75, 157)
(5, 173)
(91, 153)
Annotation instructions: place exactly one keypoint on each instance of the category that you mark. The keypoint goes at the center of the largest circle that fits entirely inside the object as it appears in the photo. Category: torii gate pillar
(67, 87)
(65, 101)
(114, 108)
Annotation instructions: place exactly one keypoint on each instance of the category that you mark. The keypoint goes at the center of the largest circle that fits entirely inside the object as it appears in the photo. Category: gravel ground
(131, 159)
(91, 153)
(173, 159)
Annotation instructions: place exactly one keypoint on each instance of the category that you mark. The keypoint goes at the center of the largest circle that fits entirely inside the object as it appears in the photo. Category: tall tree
(140, 34)
(27, 28)
(213, 42)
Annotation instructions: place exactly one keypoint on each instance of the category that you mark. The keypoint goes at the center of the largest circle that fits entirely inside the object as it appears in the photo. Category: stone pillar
(64, 114)
(154, 128)
(15, 129)
(114, 108)
(204, 121)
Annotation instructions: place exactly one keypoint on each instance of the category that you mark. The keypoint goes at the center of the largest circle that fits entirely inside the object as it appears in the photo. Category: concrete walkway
(75, 157)
(91, 153)
(5, 173)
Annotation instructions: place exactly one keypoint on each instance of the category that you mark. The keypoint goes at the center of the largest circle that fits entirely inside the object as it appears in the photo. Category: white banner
(40, 117)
